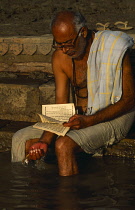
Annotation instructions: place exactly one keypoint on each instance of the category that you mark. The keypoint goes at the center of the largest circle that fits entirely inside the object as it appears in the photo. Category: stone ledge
(28, 53)
(28, 45)
(22, 66)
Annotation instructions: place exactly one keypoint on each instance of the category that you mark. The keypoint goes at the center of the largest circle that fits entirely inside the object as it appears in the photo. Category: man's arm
(59, 63)
(126, 103)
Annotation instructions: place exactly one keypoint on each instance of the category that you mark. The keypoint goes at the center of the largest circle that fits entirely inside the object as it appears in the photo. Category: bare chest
(79, 74)
(78, 77)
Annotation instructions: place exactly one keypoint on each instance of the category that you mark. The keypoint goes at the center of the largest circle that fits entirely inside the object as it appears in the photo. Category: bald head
(65, 18)
(69, 29)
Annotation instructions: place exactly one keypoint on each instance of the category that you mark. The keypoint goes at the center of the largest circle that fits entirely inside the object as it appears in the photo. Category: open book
(53, 116)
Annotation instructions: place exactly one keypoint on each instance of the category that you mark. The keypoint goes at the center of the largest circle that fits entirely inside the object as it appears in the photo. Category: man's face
(70, 41)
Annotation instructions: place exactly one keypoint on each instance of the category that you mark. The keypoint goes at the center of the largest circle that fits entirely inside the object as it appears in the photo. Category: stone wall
(26, 80)
(28, 18)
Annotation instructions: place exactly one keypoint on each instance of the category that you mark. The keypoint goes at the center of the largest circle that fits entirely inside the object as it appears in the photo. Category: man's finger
(75, 122)
(35, 154)
(32, 155)
(69, 124)
(72, 118)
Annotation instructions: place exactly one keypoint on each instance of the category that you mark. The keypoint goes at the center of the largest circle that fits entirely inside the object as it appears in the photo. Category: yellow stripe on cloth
(108, 67)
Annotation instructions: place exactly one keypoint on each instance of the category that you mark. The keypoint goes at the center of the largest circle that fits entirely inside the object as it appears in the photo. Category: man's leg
(66, 150)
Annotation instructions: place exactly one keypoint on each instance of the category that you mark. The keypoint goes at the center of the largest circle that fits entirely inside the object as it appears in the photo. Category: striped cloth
(104, 74)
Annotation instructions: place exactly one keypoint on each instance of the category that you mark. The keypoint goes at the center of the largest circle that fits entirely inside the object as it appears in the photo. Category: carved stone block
(19, 102)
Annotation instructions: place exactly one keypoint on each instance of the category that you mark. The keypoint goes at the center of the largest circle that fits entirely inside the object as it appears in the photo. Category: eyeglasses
(60, 46)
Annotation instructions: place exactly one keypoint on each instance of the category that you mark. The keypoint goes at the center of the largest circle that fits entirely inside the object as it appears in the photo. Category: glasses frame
(62, 45)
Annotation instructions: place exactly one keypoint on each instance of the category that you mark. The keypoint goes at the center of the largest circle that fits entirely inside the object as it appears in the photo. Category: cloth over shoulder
(104, 73)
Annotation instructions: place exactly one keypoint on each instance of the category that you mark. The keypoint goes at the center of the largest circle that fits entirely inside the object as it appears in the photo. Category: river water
(103, 184)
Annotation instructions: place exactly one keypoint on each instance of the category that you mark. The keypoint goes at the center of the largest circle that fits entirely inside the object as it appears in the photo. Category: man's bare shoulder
(61, 59)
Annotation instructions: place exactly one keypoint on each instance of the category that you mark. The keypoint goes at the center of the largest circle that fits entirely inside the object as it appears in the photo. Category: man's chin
(71, 54)
(74, 55)
(77, 56)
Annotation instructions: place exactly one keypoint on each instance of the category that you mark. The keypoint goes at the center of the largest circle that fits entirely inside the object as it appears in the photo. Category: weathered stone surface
(3, 48)
(30, 49)
(47, 93)
(34, 17)
(22, 99)
(26, 45)
(5, 140)
(25, 54)
(15, 48)
(125, 149)
(19, 101)
(11, 66)
(7, 129)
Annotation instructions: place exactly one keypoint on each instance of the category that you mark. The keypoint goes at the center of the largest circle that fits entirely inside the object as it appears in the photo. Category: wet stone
(126, 150)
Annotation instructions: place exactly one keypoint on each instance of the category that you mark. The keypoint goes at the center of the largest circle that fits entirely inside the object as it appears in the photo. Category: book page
(53, 116)
(52, 127)
(61, 112)
(46, 119)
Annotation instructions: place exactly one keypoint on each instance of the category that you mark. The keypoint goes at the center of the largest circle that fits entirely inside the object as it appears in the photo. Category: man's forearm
(109, 113)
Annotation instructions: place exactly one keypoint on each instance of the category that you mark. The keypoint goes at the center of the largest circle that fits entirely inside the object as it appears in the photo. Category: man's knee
(61, 144)
(64, 144)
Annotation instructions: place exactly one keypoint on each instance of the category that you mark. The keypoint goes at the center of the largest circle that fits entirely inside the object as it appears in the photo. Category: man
(99, 69)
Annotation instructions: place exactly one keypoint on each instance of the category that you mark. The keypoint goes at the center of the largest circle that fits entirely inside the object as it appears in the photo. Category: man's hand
(77, 122)
(37, 150)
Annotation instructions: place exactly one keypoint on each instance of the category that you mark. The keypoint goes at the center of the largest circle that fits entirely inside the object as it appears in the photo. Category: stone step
(124, 149)
(22, 98)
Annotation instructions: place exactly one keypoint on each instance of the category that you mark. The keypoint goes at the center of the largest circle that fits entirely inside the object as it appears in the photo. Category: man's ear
(84, 31)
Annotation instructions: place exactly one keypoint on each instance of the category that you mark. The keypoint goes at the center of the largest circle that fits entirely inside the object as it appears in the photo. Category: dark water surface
(104, 183)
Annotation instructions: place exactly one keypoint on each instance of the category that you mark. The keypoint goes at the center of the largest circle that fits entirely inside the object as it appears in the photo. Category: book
(53, 116)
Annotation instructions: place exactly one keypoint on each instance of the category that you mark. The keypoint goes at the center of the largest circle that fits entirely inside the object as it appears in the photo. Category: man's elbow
(129, 102)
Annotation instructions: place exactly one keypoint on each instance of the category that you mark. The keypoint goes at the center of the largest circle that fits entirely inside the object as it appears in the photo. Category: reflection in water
(106, 183)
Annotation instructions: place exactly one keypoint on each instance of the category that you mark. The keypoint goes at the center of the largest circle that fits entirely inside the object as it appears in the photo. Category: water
(104, 184)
